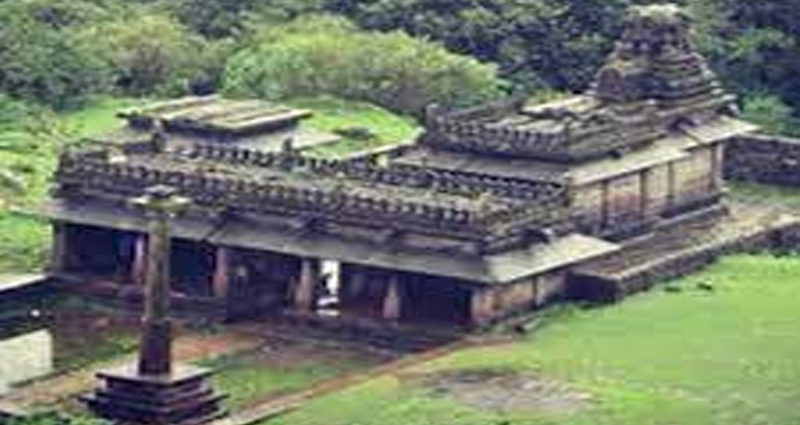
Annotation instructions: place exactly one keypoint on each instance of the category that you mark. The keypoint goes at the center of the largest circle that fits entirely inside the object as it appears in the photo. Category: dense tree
(41, 59)
(771, 113)
(57, 52)
(330, 56)
(150, 53)
(226, 18)
(757, 45)
(556, 43)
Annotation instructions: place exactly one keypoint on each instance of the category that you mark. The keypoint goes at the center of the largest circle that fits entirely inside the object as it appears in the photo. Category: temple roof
(464, 211)
(217, 115)
(671, 147)
(653, 80)
(245, 123)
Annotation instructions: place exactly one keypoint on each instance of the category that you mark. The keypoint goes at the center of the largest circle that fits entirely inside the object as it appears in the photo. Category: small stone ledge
(682, 249)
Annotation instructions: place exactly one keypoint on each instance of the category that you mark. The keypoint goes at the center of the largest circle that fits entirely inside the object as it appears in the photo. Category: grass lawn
(255, 376)
(335, 115)
(757, 192)
(727, 357)
(31, 152)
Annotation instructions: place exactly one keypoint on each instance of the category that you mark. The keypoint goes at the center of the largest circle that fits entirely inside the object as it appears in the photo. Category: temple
(487, 215)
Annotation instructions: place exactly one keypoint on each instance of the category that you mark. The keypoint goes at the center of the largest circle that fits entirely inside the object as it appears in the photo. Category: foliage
(29, 143)
(338, 116)
(152, 53)
(229, 18)
(41, 60)
(556, 43)
(753, 44)
(692, 357)
(325, 55)
(771, 113)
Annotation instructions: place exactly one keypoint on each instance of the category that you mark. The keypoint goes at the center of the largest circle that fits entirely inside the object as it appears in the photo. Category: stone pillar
(60, 254)
(482, 306)
(672, 190)
(139, 266)
(155, 392)
(717, 167)
(605, 188)
(222, 273)
(356, 282)
(305, 291)
(393, 300)
(646, 204)
(161, 204)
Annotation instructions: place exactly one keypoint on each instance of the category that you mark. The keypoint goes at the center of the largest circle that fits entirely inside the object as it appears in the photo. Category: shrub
(324, 55)
(40, 58)
(151, 53)
(771, 113)
(230, 18)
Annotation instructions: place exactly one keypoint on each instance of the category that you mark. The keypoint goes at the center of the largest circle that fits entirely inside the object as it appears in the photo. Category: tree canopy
(58, 52)
(326, 55)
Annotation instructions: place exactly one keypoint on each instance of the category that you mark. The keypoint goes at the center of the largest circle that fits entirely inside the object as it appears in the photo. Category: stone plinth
(181, 398)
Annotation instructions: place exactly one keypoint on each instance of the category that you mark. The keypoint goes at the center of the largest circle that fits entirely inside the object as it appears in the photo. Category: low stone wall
(601, 288)
(764, 159)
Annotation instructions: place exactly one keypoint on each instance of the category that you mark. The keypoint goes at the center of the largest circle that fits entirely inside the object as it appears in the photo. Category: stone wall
(25, 357)
(609, 288)
(764, 159)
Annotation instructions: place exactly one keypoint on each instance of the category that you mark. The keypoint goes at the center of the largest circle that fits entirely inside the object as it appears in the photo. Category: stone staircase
(683, 248)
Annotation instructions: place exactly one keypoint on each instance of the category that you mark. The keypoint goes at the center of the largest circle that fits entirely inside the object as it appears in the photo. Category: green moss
(694, 357)
(342, 116)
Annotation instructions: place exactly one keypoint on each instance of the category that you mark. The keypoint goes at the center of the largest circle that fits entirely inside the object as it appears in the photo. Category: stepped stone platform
(675, 251)
(180, 398)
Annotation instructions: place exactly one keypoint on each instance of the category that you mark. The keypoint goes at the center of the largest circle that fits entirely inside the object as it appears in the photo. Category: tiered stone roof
(653, 82)
(491, 213)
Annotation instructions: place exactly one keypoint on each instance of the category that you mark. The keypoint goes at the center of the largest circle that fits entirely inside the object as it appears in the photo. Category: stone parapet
(764, 159)
(487, 210)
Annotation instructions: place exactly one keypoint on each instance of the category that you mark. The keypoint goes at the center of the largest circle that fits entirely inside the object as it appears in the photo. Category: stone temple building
(492, 212)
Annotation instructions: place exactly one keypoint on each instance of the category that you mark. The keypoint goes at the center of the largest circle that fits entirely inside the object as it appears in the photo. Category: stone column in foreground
(154, 391)
(155, 353)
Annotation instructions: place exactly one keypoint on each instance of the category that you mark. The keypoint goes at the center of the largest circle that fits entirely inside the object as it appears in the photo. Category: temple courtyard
(469, 273)
(713, 348)
(710, 348)
(679, 355)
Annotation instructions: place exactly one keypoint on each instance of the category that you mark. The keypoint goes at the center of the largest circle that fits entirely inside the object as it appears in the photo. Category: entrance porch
(241, 283)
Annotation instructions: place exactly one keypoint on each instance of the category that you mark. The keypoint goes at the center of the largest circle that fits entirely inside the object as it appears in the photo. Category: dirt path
(189, 347)
(277, 406)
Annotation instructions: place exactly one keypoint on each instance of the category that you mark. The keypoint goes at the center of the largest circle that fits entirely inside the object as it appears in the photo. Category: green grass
(31, 153)
(727, 357)
(250, 377)
(765, 192)
(334, 115)
(23, 243)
